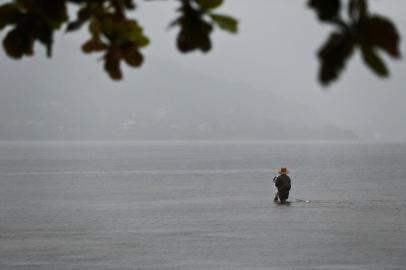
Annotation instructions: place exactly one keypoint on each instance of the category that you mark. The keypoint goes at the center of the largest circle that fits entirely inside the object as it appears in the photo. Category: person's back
(283, 183)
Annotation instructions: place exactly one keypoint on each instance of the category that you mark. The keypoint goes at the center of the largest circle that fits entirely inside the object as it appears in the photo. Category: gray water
(208, 205)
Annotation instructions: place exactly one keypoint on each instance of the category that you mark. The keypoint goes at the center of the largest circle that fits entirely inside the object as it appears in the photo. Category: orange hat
(283, 171)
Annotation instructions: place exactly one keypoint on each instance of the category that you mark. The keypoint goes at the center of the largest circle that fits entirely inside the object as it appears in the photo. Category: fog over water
(237, 88)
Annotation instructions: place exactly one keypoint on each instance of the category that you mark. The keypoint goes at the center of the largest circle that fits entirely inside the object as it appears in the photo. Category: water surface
(208, 205)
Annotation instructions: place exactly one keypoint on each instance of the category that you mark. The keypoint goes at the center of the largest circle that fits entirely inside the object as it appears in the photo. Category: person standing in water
(283, 184)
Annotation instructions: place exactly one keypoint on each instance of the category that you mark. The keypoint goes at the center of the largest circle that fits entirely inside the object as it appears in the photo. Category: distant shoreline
(225, 141)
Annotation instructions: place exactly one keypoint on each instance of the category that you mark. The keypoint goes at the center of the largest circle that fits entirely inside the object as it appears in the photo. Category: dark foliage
(121, 39)
(327, 10)
(362, 30)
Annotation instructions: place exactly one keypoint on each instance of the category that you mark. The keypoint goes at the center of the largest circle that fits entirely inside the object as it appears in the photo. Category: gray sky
(264, 55)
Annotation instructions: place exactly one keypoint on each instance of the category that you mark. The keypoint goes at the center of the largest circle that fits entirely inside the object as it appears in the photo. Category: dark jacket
(282, 182)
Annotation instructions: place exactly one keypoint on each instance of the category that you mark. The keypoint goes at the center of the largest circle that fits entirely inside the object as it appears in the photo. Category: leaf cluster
(31, 20)
(367, 32)
(120, 39)
(196, 23)
(112, 33)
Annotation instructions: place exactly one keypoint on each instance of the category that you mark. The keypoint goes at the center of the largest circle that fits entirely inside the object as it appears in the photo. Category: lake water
(208, 205)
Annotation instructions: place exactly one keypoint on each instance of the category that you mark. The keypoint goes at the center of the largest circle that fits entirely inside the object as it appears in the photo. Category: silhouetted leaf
(131, 55)
(122, 30)
(209, 4)
(95, 28)
(112, 64)
(129, 4)
(194, 31)
(8, 14)
(83, 15)
(225, 22)
(45, 35)
(135, 32)
(196, 37)
(333, 56)
(373, 61)
(326, 9)
(18, 42)
(72, 26)
(53, 12)
(93, 45)
(379, 31)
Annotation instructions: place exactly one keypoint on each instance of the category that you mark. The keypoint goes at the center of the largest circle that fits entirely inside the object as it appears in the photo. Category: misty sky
(274, 51)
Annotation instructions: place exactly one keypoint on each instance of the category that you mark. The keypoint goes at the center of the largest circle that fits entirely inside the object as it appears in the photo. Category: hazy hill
(159, 102)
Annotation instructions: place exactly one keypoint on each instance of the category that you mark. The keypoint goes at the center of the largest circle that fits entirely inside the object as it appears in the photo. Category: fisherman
(282, 183)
